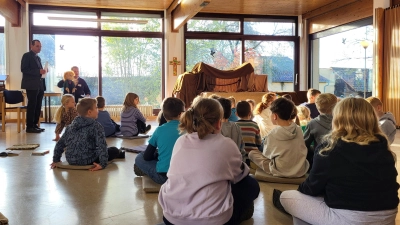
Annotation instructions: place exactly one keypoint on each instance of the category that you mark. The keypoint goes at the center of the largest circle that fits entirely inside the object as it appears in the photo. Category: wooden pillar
(378, 45)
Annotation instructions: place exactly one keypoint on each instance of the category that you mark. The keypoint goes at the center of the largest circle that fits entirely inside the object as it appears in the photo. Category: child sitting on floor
(155, 163)
(207, 181)
(262, 114)
(284, 152)
(312, 95)
(65, 114)
(231, 129)
(387, 122)
(104, 118)
(133, 122)
(84, 142)
(353, 179)
(321, 125)
(250, 131)
(233, 117)
(303, 113)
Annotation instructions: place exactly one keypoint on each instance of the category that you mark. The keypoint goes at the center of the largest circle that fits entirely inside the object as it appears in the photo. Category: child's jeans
(149, 168)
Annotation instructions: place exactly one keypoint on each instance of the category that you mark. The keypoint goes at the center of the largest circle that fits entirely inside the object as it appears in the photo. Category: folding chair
(11, 98)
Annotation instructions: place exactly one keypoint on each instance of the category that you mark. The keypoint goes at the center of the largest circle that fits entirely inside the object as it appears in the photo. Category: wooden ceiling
(259, 7)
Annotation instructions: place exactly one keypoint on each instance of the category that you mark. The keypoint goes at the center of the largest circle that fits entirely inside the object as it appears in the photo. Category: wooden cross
(174, 63)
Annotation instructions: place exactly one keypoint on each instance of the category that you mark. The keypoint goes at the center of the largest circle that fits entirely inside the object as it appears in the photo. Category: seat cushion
(149, 186)
(263, 176)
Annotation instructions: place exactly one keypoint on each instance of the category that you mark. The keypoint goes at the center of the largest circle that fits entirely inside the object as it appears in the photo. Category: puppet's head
(69, 75)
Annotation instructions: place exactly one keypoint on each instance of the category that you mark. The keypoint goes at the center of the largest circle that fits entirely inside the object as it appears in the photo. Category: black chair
(12, 98)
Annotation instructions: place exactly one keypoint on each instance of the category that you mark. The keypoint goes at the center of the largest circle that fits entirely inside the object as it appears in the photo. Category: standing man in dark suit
(34, 84)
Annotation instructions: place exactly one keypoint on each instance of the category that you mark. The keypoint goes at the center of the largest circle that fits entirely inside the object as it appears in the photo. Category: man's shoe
(33, 130)
(276, 201)
(41, 129)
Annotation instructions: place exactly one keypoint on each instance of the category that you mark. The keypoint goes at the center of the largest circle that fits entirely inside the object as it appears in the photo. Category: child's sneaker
(121, 154)
(147, 129)
(138, 171)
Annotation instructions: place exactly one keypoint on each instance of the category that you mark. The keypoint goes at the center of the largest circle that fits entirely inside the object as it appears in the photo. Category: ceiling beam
(22, 3)
(184, 11)
(10, 10)
(327, 8)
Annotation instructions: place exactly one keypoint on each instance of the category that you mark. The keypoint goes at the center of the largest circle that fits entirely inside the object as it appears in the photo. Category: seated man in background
(82, 89)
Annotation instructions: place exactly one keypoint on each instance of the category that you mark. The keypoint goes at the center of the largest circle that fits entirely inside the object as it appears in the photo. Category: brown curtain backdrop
(391, 63)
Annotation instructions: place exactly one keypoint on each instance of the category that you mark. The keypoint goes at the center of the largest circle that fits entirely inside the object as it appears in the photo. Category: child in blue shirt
(155, 163)
(104, 118)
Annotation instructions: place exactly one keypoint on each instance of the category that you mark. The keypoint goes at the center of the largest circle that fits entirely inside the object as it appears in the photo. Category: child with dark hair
(84, 142)
(207, 181)
(231, 129)
(250, 130)
(154, 161)
(284, 152)
(104, 118)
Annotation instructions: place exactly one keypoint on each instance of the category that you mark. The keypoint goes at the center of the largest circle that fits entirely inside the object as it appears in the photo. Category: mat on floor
(67, 166)
(149, 186)
(135, 149)
(133, 137)
(40, 152)
(263, 176)
(3, 219)
(23, 147)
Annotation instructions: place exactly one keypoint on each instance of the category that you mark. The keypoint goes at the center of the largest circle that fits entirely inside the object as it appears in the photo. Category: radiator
(114, 110)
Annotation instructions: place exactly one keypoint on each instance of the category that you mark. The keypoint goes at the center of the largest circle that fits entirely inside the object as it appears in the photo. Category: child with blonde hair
(132, 120)
(387, 122)
(262, 114)
(69, 82)
(284, 153)
(65, 114)
(320, 125)
(303, 113)
(353, 179)
(218, 189)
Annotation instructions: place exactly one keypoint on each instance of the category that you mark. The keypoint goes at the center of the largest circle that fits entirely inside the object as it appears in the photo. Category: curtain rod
(392, 7)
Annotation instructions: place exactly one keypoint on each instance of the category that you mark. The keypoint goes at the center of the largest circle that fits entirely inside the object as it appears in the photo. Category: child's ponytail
(201, 117)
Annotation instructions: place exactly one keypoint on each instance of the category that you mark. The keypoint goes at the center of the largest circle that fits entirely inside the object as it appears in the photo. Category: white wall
(173, 48)
(17, 43)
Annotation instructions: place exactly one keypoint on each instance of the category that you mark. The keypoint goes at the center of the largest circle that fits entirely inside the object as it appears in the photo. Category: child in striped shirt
(132, 120)
(250, 130)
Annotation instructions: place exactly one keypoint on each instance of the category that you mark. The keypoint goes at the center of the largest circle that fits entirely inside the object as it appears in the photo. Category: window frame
(98, 32)
(244, 37)
(335, 30)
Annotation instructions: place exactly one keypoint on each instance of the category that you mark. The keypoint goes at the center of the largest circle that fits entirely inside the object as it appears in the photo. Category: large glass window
(342, 62)
(61, 52)
(269, 44)
(132, 65)
(121, 52)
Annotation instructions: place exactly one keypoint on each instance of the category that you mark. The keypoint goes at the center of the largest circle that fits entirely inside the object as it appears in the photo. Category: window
(340, 64)
(225, 42)
(114, 58)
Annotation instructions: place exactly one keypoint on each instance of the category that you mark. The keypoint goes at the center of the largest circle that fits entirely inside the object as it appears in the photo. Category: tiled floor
(33, 194)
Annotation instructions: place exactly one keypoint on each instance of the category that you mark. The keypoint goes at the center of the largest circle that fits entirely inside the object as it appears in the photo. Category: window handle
(295, 81)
